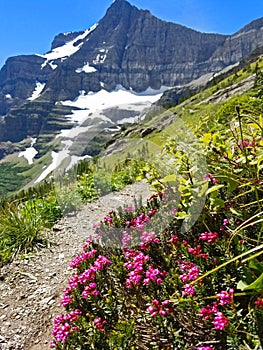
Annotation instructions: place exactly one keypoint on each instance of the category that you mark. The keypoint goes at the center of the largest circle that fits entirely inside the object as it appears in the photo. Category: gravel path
(31, 289)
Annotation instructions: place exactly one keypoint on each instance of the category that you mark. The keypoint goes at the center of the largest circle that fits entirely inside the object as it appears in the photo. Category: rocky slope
(128, 46)
(127, 49)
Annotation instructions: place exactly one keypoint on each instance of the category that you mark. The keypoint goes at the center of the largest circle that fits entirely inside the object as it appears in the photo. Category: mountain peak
(120, 4)
(119, 7)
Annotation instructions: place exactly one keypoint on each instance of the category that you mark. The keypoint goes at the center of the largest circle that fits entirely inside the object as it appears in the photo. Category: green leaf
(256, 265)
(219, 203)
(214, 188)
(235, 212)
(241, 285)
(231, 182)
(181, 215)
(256, 285)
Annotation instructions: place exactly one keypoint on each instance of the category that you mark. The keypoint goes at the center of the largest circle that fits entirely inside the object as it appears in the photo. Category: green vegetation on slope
(186, 270)
(11, 178)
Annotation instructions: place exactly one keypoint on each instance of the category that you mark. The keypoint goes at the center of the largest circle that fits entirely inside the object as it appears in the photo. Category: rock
(128, 47)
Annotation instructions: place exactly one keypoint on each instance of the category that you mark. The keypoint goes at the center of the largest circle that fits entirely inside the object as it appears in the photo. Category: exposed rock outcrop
(129, 47)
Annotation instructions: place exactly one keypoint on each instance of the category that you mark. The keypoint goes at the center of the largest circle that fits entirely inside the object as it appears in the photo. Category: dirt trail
(31, 289)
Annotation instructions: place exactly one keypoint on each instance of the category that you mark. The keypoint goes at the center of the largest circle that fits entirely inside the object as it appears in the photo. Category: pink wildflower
(140, 221)
(220, 321)
(99, 324)
(197, 251)
(259, 303)
(66, 300)
(62, 327)
(209, 237)
(174, 211)
(225, 297)
(204, 348)
(174, 240)
(149, 237)
(225, 222)
(107, 219)
(160, 308)
(245, 143)
(80, 258)
(192, 273)
(152, 212)
(207, 311)
(100, 262)
(153, 275)
(136, 265)
(126, 239)
(87, 275)
(188, 290)
(90, 290)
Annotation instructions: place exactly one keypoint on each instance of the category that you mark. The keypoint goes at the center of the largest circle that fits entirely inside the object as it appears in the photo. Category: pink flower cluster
(107, 220)
(259, 303)
(83, 257)
(188, 290)
(88, 276)
(62, 327)
(99, 324)
(138, 271)
(152, 212)
(225, 222)
(136, 265)
(174, 240)
(197, 252)
(208, 311)
(204, 348)
(191, 271)
(154, 275)
(101, 262)
(220, 321)
(67, 297)
(160, 308)
(139, 222)
(210, 237)
(148, 238)
(126, 239)
(245, 143)
(90, 290)
(225, 297)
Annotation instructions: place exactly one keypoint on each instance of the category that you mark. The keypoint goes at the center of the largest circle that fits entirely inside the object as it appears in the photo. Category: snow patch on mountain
(91, 114)
(38, 89)
(30, 152)
(73, 132)
(101, 57)
(57, 159)
(86, 69)
(104, 99)
(67, 49)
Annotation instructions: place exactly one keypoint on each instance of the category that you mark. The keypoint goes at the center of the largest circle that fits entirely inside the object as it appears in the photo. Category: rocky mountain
(128, 51)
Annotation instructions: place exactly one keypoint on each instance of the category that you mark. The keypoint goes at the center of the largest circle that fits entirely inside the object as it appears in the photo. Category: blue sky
(29, 26)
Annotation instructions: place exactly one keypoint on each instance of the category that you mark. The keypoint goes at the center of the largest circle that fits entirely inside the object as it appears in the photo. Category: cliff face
(129, 47)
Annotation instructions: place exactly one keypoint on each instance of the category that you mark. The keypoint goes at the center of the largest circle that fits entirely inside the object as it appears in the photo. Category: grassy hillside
(186, 270)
